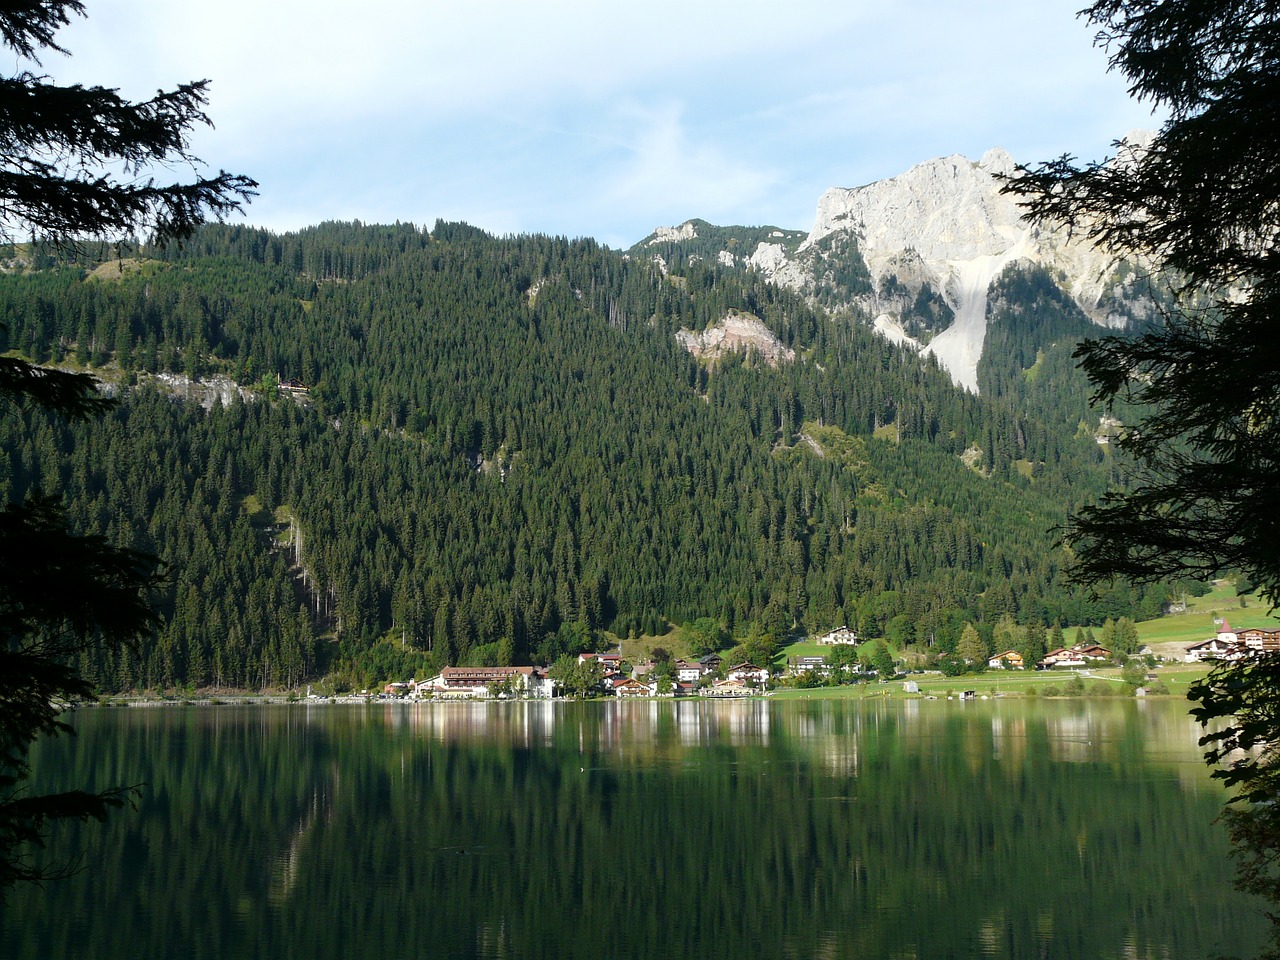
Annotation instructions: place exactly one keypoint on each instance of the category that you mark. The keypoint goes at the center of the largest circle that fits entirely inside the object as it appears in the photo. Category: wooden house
(839, 635)
(629, 687)
(1009, 660)
(686, 672)
(727, 688)
(748, 673)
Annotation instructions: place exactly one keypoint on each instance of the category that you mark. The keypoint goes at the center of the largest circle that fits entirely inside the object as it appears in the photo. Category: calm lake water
(1006, 829)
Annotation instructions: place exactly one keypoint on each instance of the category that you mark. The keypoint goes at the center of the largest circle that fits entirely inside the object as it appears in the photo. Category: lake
(903, 829)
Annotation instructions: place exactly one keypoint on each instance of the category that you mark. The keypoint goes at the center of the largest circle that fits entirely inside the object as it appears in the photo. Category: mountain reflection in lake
(642, 829)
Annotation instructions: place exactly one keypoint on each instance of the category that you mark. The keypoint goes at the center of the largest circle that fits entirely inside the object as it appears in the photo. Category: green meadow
(1197, 624)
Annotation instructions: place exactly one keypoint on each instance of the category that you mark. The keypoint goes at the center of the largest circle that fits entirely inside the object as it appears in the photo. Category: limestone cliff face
(736, 333)
(944, 226)
(944, 209)
(917, 254)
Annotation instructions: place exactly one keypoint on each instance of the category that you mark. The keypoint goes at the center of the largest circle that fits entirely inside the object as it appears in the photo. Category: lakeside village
(607, 674)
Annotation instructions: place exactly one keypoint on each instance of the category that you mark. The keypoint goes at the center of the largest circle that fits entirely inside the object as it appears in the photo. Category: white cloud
(665, 166)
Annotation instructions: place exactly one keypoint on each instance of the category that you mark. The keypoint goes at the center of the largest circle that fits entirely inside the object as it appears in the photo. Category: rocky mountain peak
(943, 209)
(946, 225)
(686, 231)
(918, 252)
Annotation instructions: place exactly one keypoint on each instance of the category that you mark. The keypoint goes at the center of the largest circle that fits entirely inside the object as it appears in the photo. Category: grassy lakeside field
(1194, 625)
(1166, 635)
(1177, 677)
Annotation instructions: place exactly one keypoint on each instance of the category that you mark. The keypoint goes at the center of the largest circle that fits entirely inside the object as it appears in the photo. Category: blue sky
(599, 118)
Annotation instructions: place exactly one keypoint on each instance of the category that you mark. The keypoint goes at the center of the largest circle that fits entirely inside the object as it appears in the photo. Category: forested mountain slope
(504, 447)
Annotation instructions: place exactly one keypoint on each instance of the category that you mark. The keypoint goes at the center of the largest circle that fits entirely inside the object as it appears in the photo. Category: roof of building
(483, 674)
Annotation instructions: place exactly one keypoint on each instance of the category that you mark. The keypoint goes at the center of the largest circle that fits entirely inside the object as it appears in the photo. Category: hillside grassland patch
(115, 270)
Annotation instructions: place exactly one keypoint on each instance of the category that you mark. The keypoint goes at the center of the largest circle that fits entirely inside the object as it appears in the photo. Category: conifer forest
(496, 451)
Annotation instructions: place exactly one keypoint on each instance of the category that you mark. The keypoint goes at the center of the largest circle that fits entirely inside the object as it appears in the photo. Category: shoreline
(127, 702)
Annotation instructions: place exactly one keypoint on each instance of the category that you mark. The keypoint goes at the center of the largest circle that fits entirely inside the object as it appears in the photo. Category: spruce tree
(971, 648)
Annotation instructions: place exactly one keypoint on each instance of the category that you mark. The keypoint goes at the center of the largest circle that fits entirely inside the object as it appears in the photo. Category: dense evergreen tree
(971, 649)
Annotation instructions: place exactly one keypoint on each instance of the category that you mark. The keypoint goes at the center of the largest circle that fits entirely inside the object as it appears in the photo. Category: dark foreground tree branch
(76, 164)
(1201, 201)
